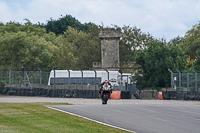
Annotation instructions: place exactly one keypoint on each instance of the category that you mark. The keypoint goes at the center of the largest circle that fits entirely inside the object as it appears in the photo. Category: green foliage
(31, 46)
(190, 45)
(66, 43)
(25, 45)
(132, 39)
(77, 49)
(154, 63)
(64, 54)
(191, 41)
(196, 63)
(2, 83)
(61, 25)
(175, 42)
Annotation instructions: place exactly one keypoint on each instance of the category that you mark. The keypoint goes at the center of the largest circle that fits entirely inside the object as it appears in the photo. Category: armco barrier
(181, 95)
(75, 93)
(120, 95)
(17, 91)
(125, 95)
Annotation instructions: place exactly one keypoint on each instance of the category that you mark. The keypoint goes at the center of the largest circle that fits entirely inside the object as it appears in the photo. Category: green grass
(36, 118)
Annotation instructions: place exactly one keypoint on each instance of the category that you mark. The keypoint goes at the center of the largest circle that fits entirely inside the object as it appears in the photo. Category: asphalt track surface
(141, 116)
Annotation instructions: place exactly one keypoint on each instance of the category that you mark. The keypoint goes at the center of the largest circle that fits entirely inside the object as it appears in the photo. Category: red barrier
(115, 95)
(160, 95)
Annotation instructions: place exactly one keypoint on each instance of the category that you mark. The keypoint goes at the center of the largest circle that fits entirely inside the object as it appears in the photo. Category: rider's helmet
(106, 81)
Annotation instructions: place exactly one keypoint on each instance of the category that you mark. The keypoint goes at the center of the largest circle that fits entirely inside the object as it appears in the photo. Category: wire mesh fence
(185, 81)
(63, 79)
(91, 80)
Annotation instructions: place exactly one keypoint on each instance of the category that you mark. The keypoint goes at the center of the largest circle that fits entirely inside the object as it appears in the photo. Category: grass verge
(35, 118)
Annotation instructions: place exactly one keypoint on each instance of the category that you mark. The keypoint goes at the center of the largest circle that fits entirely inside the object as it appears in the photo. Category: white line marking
(91, 119)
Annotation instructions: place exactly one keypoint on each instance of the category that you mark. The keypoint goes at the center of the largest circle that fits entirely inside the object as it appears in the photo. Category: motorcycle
(105, 93)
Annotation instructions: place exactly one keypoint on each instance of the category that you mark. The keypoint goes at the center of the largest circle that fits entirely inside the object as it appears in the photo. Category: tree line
(46, 46)
(67, 43)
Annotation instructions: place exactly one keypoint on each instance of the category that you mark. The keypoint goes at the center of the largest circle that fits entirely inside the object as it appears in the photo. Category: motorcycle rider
(106, 81)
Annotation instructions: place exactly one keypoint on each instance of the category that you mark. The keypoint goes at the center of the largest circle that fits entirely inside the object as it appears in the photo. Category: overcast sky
(161, 18)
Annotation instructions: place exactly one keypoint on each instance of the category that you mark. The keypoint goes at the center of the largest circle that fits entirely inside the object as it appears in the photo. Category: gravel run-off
(84, 101)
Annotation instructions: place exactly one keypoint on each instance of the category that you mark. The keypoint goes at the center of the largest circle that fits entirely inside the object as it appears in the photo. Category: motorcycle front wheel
(105, 99)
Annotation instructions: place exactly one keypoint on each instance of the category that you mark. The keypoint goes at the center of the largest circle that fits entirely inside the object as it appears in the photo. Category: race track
(141, 118)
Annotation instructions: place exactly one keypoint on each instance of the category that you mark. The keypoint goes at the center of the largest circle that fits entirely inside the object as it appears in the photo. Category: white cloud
(5, 12)
(161, 18)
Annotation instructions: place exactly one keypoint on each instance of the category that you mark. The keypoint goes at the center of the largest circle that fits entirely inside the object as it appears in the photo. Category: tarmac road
(141, 118)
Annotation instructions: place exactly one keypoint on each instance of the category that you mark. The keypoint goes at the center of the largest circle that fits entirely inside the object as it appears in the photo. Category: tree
(176, 41)
(196, 62)
(31, 46)
(61, 25)
(77, 50)
(25, 45)
(132, 39)
(19, 49)
(191, 41)
(154, 63)
(64, 54)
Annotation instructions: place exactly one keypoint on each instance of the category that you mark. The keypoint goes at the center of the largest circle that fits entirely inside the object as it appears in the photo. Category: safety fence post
(108, 73)
(24, 71)
(68, 78)
(195, 80)
(179, 74)
(54, 75)
(95, 78)
(10, 72)
(171, 79)
(188, 87)
(81, 79)
(40, 77)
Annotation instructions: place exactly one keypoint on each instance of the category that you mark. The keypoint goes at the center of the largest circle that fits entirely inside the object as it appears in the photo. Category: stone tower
(109, 49)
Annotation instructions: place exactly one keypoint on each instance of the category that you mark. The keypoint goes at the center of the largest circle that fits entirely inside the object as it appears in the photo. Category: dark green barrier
(181, 95)
(18, 91)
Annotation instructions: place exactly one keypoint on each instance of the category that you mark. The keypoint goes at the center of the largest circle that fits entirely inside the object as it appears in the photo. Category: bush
(2, 83)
